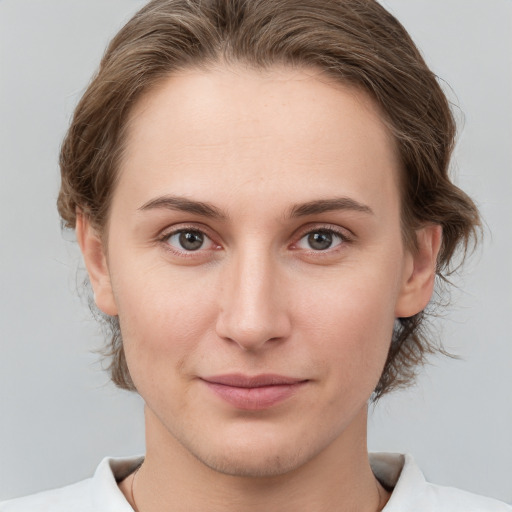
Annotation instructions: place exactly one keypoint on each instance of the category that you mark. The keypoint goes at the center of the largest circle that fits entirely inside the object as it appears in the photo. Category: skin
(257, 297)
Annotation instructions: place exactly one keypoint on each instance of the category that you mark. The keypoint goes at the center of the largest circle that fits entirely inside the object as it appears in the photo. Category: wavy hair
(354, 42)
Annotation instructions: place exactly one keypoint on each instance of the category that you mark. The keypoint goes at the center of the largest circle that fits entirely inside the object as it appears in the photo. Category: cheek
(350, 329)
(341, 323)
(163, 318)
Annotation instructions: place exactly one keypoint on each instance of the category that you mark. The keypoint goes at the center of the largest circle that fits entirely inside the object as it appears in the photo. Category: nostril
(251, 338)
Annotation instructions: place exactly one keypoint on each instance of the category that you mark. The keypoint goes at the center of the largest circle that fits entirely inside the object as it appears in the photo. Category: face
(255, 260)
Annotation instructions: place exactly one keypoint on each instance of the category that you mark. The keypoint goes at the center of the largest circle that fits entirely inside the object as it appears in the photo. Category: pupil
(191, 240)
(320, 241)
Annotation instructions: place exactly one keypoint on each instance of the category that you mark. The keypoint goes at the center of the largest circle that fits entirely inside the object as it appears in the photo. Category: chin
(256, 452)
(253, 463)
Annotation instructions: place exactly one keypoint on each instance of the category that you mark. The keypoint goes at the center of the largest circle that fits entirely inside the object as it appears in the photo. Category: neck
(337, 479)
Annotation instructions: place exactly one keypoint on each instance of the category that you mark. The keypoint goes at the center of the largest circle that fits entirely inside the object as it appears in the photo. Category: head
(355, 45)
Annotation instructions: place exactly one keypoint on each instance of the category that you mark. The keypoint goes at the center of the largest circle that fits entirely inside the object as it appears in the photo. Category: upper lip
(252, 381)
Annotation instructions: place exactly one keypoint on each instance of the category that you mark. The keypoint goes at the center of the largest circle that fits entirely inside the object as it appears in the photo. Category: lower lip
(257, 398)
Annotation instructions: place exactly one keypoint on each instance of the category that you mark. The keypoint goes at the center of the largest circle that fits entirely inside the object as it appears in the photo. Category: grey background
(59, 415)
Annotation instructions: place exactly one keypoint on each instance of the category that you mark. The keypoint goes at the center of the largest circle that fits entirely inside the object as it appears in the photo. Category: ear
(419, 272)
(96, 263)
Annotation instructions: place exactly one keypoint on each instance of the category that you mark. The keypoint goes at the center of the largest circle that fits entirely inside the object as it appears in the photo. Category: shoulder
(99, 493)
(456, 500)
(412, 492)
(76, 497)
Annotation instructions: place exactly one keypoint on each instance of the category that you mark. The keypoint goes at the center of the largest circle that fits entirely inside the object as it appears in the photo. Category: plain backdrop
(59, 415)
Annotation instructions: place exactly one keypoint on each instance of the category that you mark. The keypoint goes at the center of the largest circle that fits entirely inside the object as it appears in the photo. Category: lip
(256, 392)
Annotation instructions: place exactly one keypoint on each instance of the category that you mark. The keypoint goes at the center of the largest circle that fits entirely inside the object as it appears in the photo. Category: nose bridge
(252, 312)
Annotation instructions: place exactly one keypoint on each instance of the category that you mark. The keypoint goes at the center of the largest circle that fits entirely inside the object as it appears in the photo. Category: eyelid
(168, 232)
(344, 233)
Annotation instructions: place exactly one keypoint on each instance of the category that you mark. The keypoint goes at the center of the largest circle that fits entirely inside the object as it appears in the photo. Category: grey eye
(187, 240)
(191, 240)
(320, 240)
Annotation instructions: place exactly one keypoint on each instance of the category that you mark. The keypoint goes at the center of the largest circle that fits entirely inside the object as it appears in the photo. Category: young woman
(260, 192)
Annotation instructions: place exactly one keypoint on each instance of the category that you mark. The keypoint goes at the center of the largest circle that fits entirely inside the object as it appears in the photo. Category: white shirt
(412, 493)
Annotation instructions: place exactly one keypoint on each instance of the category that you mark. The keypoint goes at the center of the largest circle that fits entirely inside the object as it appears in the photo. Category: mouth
(254, 392)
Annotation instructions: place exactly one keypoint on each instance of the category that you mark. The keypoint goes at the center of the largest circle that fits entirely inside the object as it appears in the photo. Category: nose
(253, 301)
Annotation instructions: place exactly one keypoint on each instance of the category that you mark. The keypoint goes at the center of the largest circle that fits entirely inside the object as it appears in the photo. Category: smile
(253, 393)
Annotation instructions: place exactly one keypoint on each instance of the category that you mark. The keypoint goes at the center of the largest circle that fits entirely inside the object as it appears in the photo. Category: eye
(189, 240)
(320, 240)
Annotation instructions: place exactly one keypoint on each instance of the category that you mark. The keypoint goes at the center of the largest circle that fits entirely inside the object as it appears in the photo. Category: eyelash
(165, 237)
(335, 232)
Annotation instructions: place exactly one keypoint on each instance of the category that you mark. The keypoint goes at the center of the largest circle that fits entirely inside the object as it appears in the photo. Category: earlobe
(96, 263)
(419, 272)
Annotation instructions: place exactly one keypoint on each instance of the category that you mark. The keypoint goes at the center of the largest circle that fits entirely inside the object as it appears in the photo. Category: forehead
(206, 133)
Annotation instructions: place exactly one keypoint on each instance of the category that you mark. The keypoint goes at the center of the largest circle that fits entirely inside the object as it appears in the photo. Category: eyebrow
(329, 205)
(203, 209)
(183, 204)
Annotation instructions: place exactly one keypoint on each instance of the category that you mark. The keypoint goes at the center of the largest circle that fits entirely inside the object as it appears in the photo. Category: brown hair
(355, 42)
